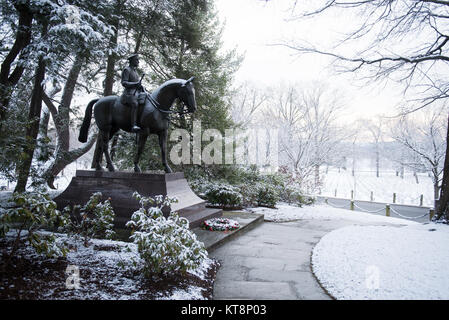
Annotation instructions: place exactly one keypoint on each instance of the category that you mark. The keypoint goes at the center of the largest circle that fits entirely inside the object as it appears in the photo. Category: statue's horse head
(186, 92)
(164, 96)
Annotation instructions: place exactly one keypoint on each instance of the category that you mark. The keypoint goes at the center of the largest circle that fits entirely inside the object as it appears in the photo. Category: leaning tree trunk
(61, 116)
(45, 117)
(60, 163)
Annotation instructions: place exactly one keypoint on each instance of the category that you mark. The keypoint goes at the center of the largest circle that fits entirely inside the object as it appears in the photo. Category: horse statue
(154, 118)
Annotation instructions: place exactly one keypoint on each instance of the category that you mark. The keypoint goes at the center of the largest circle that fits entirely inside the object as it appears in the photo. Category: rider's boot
(134, 128)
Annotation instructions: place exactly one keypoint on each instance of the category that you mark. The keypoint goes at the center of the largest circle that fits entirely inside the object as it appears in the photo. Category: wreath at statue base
(220, 224)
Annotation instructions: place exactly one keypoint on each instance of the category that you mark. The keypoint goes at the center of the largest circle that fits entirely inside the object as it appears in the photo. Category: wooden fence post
(421, 200)
(431, 214)
(394, 197)
(387, 210)
(351, 205)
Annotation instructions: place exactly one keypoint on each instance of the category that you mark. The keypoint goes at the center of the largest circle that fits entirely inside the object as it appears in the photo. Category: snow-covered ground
(399, 260)
(106, 271)
(380, 262)
(285, 212)
(364, 182)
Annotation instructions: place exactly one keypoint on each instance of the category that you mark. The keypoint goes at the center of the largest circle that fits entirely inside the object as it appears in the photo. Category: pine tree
(189, 44)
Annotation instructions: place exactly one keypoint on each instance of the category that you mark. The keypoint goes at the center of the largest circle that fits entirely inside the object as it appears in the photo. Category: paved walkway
(272, 261)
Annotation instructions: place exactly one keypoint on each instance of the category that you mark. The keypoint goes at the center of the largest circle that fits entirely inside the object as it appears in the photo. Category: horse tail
(86, 122)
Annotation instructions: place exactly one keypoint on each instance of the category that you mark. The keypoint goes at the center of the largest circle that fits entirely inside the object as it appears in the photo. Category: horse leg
(140, 145)
(163, 146)
(105, 149)
(114, 142)
(98, 152)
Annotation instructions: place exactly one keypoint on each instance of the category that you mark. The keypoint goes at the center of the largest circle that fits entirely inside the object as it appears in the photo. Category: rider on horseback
(133, 87)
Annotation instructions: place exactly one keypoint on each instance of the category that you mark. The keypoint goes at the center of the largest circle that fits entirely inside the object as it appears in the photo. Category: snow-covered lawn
(380, 262)
(285, 212)
(399, 260)
(363, 183)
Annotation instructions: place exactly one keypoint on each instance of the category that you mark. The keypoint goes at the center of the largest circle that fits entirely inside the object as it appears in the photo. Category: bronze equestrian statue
(152, 117)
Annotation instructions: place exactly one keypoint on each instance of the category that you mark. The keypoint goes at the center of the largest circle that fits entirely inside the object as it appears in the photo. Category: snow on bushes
(267, 195)
(165, 244)
(224, 195)
(246, 187)
(33, 211)
(94, 220)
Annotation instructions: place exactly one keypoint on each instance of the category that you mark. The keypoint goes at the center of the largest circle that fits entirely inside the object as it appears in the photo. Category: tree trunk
(45, 116)
(436, 191)
(23, 38)
(110, 66)
(110, 75)
(317, 176)
(61, 118)
(68, 158)
(442, 209)
(33, 126)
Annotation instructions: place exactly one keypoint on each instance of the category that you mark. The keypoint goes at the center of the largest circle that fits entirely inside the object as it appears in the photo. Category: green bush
(306, 200)
(221, 185)
(200, 186)
(94, 220)
(249, 194)
(166, 245)
(224, 195)
(33, 211)
(292, 195)
(267, 195)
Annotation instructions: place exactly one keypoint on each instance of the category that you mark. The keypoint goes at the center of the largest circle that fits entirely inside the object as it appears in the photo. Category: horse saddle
(129, 99)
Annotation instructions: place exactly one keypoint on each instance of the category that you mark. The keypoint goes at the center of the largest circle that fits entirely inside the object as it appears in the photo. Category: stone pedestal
(120, 186)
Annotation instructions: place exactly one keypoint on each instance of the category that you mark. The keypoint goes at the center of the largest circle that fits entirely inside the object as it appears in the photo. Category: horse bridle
(158, 106)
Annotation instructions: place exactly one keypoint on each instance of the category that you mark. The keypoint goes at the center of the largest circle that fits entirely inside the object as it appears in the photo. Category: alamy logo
(73, 277)
(256, 146)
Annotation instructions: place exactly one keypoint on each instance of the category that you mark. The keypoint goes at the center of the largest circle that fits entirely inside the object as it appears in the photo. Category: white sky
(251, 25)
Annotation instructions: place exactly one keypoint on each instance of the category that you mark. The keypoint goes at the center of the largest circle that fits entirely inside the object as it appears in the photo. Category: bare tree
(308, 133)
(376, 129)
(424, 138)
(322, 107)
(246, 101)
(402, 40)
(287, 110)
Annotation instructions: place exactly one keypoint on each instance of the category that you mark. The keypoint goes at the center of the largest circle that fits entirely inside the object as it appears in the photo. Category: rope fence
(412, 218)
(413, 201)
(368, 211)
(334, 205)
(388, 209)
